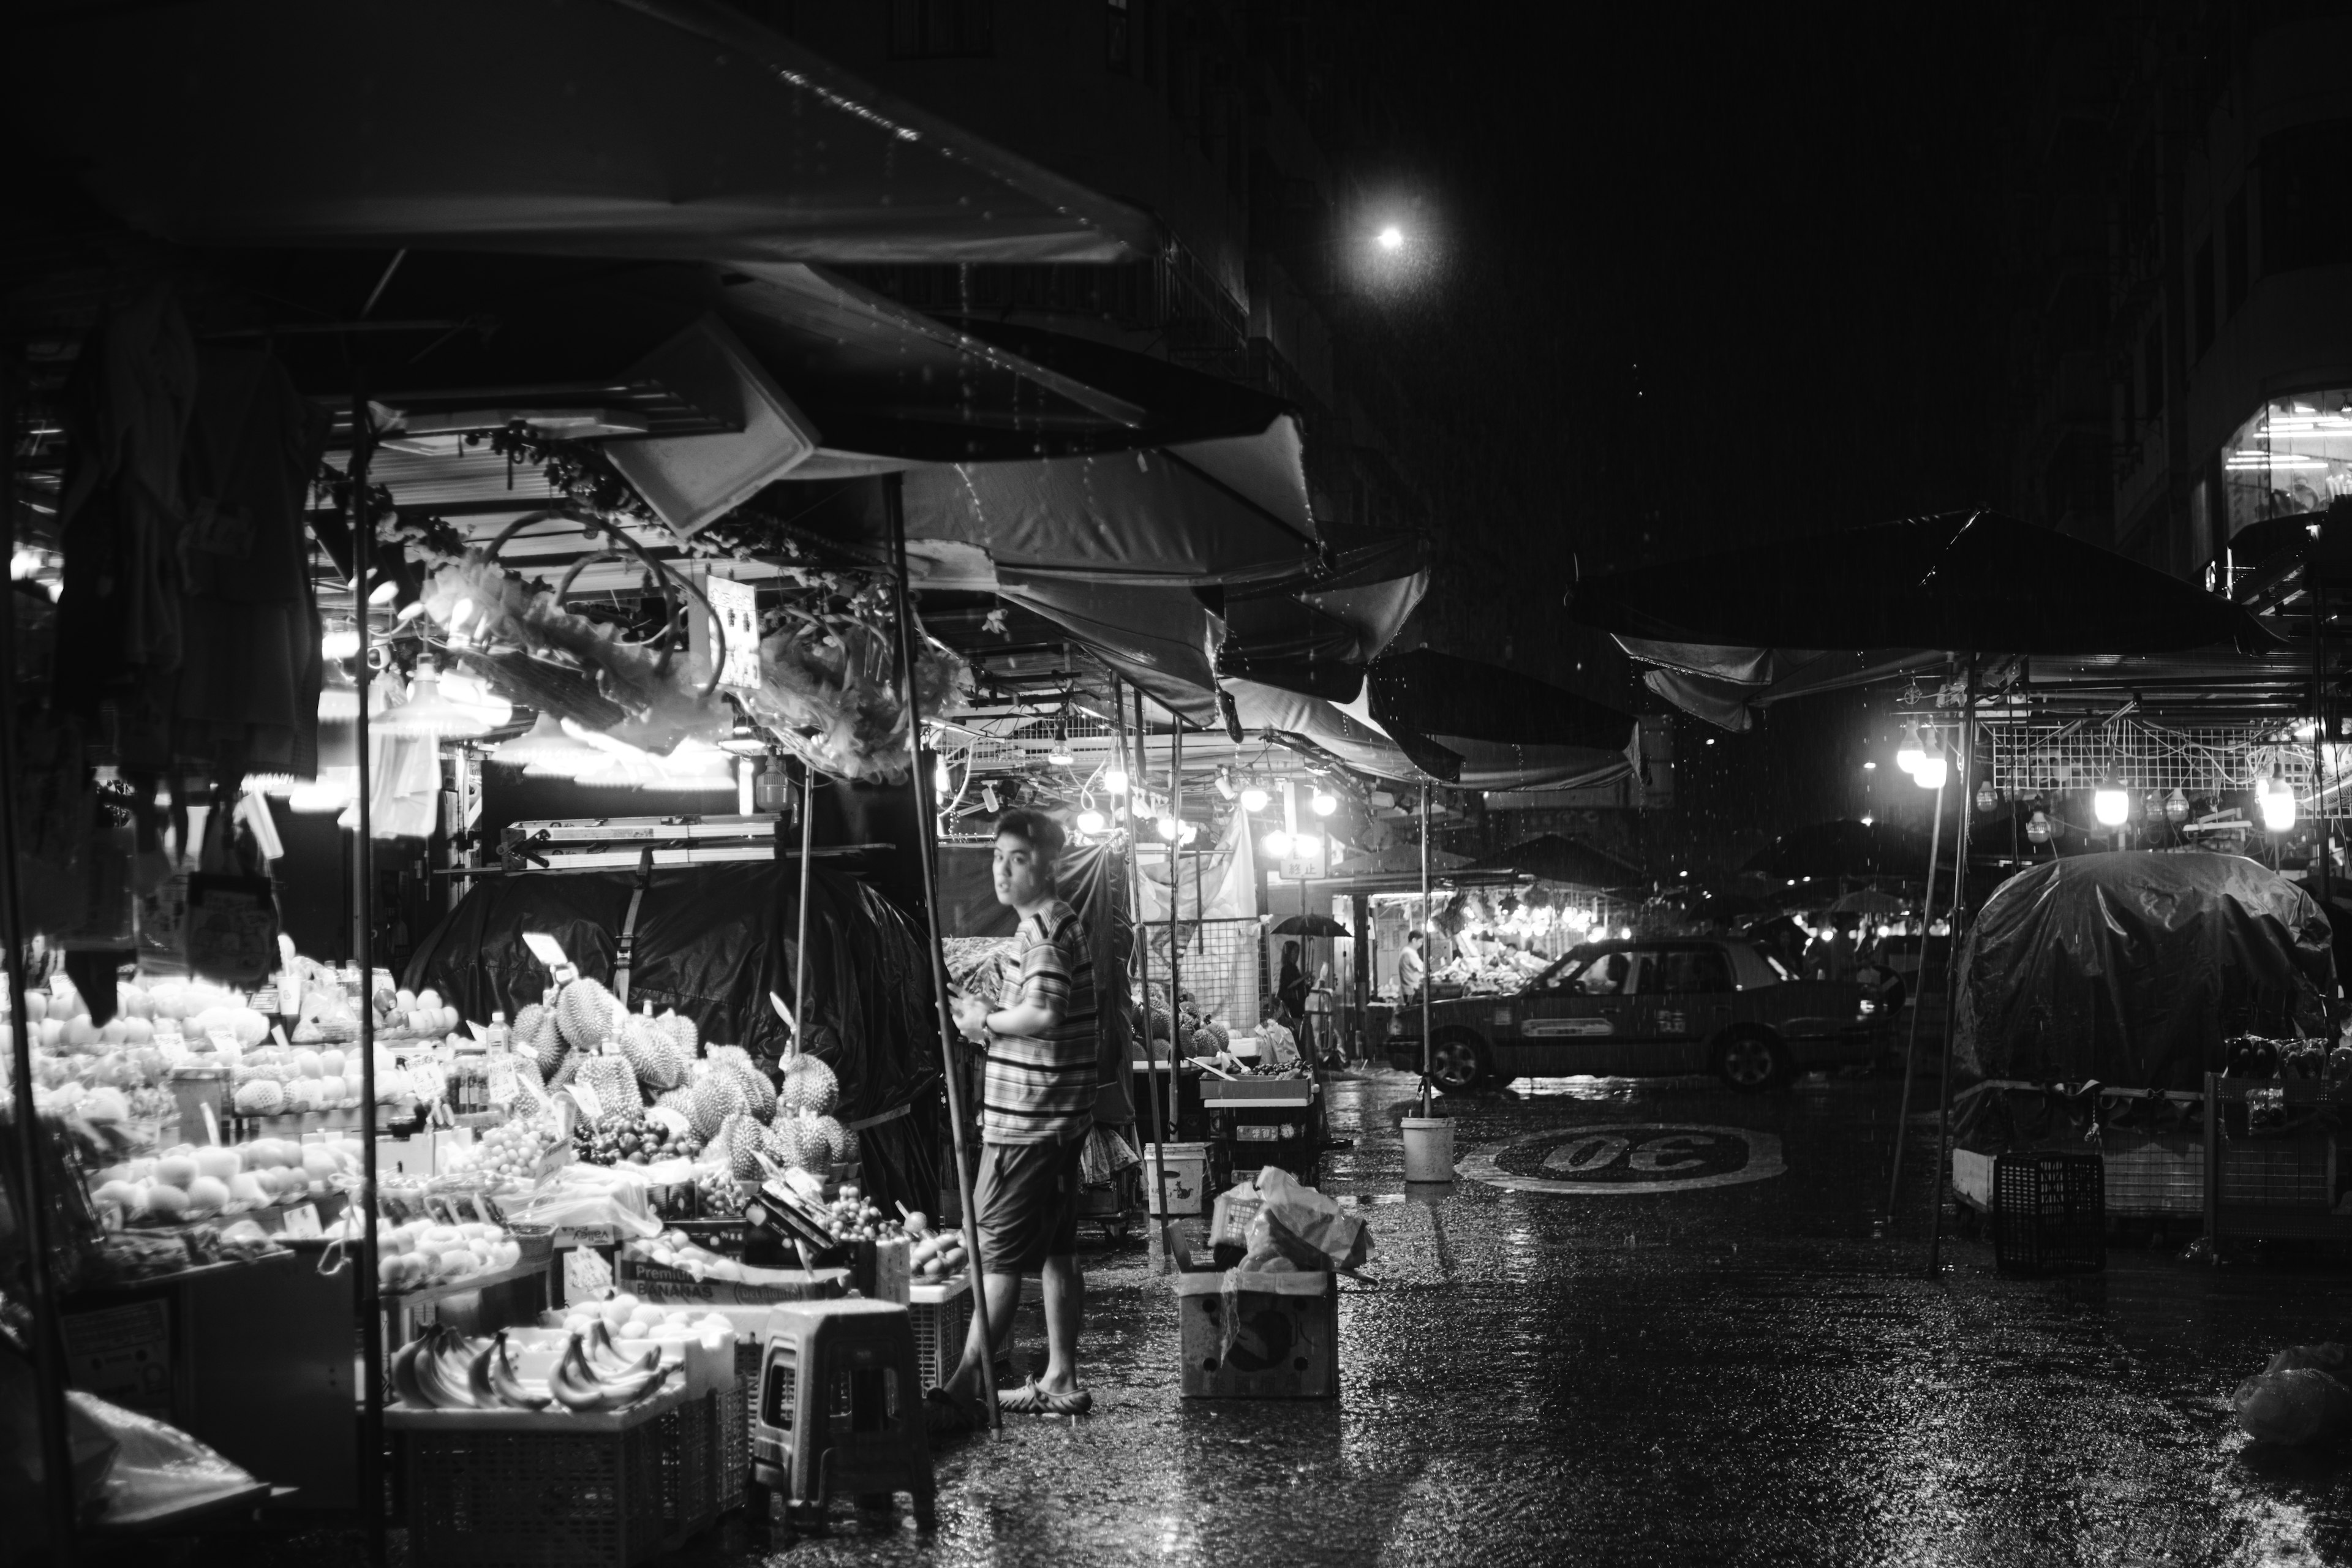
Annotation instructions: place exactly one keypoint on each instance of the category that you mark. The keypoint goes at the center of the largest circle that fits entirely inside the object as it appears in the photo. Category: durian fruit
(1213, 1035)
(526, 1022)
(741, 1140)
(678, 1099)
(651, 1054)
(546, 1042)
(760, 1092)
(585, 1012)
(809, 1085)
(682, 1033)
(615, 1083)
(716, 1095)
(800, 1143)
(838, 1138)
(567, 1067)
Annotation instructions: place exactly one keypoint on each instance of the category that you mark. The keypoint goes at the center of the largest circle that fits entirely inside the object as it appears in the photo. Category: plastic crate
(2154, 1179)
(684, 1450)
(2296, 1172)
(730, 1410)
(2049, 1213)
(941, 1315)
(589, 1500)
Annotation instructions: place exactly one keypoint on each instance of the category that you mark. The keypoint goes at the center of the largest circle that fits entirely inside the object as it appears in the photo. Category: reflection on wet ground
(1756, 1372)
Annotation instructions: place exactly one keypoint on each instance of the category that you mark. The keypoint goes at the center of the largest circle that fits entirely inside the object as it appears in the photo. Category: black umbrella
(1974, 581)
(1311, 925)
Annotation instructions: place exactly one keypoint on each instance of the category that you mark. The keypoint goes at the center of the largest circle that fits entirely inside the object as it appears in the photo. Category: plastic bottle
(497, 1036)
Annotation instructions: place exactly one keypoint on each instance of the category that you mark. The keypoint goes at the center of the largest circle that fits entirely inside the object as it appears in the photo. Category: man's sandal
(1077, 1401)
(1026, 1400)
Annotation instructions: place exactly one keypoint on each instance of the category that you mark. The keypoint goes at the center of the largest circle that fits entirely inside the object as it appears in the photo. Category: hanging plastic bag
(158, 1469)
(2298, 1405)
(1306, 1226)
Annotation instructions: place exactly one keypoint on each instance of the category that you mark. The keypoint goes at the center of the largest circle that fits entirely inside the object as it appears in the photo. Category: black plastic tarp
(712, 942)
(2132, 968)
(1092, 878)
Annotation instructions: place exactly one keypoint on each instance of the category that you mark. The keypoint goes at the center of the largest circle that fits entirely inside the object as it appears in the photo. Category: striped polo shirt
(1040, 1088)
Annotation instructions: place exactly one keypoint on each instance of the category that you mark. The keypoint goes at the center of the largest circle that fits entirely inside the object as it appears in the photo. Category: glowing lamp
(1929, 772)
(1276, 843)
(1253, 798)
(2111, 804)
(1305, 844)
(1168, 829)
(2176, 808)
(1090, 821)
(1910, 753)
(2038, 828)
(2277, 798)
(1115, 779)
(1324, 803)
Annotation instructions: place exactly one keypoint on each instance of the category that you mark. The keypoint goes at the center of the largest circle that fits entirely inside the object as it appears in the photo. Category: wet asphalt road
(1746, 1372)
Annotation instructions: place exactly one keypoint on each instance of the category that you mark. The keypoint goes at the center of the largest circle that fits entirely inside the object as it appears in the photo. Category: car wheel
(1750, 1060)
(1457, 1063)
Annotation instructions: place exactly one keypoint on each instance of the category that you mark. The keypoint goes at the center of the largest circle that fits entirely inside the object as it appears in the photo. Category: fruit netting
(712, 942)
(1092, 878)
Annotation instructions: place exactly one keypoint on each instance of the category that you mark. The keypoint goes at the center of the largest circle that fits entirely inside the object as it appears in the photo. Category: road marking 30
(1609, 1159)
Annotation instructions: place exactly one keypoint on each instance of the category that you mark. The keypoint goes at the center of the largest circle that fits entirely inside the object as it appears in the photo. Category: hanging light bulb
(2176, 808)
(1276, 844)
(1910, 753)
(2111, 804)
(1167, 827)
(1931, 770)
(332, 791)
(1061, 756)
(1986, 796)
(1305, 844)
(1115, 779)
(1324, 803)
(2038, 828)
(1254, 797)
(1090, 821)
(1187, 831)
(771, 791)
(2277, 798)
(340, 640)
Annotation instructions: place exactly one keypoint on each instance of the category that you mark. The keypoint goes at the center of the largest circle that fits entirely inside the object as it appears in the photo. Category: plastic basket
(941, 1327)
(730, 1410)
(589, 1500)
(2296, 1172)
(689, 1492)
(2154, 1179)
(2049, 1213)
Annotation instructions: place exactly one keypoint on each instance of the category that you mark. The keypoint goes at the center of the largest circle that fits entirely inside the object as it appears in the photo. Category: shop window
(2234, 259)
(2201, 295)
(942, 29)
(2294, 456)
(2306, 220)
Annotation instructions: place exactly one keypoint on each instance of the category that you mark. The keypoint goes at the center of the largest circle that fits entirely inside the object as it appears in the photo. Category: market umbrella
(1974, 581)
(1554, 858)
(1311, 925)
(1826, 851)
(634, 128)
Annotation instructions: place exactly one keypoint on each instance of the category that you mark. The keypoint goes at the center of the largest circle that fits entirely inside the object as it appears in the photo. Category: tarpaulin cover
(712, 942)
(1428, 702)
(1092, 879)
(1974, 581)
(636, 128)
(2132, 968)
(1482, 765)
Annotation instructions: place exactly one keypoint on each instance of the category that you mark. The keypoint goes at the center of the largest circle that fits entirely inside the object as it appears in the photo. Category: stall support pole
(800, 953)
(1911, 1050)
(371, 1482)
(1952, 976)
(1428, 954)
(1175, 895)
(48, 1342)
(894, 501)
(1159, 1252)
(2319, 865)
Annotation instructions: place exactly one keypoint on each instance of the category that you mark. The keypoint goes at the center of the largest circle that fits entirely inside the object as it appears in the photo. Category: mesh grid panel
(1217, 962)
(2030, 758)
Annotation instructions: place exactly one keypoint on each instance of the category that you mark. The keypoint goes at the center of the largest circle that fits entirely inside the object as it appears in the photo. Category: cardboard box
(1278, 1338)
(1188, 1177)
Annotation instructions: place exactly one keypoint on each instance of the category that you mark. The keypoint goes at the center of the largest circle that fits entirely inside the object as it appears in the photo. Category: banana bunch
(444, 1370)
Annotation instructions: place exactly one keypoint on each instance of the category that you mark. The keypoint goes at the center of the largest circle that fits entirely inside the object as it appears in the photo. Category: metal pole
(1952, 973)
(800, 958)
(1428, 952)
(1156, 1242)
(1175, 891)
(2319, 866)
(1918, 1000)
(362, 520)
(893, 503)
(49, 1344)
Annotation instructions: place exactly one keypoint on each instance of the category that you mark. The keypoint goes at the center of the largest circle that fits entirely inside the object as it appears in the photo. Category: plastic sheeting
(2132, 968)
(1093, 880)
(712, 942)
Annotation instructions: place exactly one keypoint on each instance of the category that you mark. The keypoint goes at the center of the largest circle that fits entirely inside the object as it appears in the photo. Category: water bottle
(497, 1036)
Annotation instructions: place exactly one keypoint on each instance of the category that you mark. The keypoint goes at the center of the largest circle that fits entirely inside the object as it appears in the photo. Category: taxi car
(1637, 1009)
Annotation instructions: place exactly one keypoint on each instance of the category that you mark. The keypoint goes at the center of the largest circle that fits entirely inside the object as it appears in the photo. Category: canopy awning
(1483, 764)
(639, 128)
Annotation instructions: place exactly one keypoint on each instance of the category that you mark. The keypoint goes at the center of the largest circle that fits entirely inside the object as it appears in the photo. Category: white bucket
(1428, 1148)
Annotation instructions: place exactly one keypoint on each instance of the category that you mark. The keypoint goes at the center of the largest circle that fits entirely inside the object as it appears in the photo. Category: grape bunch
(628, 1138)
(508, 1152)
(722, 1196)
(853, 1217)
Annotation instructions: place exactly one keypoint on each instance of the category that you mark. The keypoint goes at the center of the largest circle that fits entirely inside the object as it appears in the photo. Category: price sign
(503, 1087)
(735, 610)
(590, 1103)
(302, 1223)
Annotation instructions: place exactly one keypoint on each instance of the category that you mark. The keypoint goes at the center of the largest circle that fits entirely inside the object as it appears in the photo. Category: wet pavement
(1684, 1367)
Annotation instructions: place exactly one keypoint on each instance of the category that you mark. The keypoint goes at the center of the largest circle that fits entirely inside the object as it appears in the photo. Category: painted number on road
(1615, 1158)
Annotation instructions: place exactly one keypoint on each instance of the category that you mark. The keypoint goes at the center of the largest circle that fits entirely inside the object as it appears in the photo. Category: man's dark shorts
(1027, 1204)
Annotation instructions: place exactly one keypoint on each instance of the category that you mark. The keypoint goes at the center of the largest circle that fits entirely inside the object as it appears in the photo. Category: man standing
(1036, 1109)
(1413, 969)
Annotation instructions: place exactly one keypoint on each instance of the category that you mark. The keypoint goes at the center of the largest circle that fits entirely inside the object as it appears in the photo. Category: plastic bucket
(1428, 1148)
